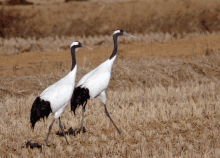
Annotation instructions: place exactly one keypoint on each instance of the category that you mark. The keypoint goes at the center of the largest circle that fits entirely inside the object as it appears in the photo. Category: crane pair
(56, 97)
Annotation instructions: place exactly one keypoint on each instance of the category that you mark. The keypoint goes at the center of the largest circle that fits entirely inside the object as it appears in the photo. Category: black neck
(73, 58)
(115, 46)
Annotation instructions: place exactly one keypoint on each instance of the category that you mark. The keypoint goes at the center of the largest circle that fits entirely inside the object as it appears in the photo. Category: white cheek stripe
(74, 44)
(117, 31)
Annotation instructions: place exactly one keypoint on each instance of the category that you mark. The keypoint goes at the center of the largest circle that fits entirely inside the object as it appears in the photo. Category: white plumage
(59, 94)
(55, 98)
(94, 83)
(98, 80)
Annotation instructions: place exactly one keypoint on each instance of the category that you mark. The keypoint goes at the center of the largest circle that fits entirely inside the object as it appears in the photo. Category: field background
(164, 90)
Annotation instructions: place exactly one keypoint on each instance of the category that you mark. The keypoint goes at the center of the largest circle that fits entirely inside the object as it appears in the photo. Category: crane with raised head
(55, 98)
(94, 83)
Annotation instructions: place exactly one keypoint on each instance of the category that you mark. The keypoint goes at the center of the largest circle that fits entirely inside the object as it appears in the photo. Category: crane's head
(121, 33)
(78, 44)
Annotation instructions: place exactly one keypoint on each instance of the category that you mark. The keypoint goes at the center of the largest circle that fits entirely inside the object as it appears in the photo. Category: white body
(98, 79)
(60, 93)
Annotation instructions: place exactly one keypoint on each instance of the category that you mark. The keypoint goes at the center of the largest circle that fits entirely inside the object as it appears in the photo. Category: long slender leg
(50, 127)
(63, 131)
(106, 111)
(83, 110)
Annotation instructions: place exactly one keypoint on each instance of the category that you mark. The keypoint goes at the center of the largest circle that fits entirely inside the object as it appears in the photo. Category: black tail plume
(40, 109)
(80, 95)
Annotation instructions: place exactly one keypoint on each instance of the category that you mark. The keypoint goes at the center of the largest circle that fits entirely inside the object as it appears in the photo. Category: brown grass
(94, 19)
(164, 90)
(17, 45)
(53, 25)
(164, 108)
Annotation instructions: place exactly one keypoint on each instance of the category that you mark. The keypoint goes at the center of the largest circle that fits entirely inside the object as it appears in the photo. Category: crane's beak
(86, 47)
(126, 34)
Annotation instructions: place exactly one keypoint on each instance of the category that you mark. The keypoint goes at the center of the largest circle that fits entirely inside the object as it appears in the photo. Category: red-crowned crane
(55, 98)
(94, 83)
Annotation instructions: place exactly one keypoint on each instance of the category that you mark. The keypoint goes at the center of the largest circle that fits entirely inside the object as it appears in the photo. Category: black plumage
(80, 95)
(40, 109)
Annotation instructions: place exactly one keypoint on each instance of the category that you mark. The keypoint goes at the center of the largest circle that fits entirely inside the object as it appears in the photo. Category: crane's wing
(85, 77)
(58, 94)
(97, 83)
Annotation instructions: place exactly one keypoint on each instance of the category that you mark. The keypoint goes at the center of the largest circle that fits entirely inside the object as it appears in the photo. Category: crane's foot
(82, 130)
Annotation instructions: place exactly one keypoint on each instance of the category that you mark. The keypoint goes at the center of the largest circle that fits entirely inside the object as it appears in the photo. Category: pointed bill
(126, 34)
(86, 47)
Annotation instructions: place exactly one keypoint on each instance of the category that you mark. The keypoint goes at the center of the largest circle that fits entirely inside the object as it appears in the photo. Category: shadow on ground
(71, 132)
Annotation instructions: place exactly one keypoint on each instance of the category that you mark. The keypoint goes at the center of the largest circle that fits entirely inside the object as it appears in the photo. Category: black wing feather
(40, 109)
(80, 95)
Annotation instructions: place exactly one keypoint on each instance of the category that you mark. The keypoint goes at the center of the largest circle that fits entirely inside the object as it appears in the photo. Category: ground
(164, 89)
(162, 107)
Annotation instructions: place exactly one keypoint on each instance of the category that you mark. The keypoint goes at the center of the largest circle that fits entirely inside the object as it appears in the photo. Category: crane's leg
(83, 110)
(61, 127)
(106, 111)
(102, 97)
(50, 127)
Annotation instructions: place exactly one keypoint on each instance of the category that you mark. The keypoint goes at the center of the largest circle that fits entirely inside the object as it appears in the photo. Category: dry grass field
(166, 103)
(164, 91)
(97, 18)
